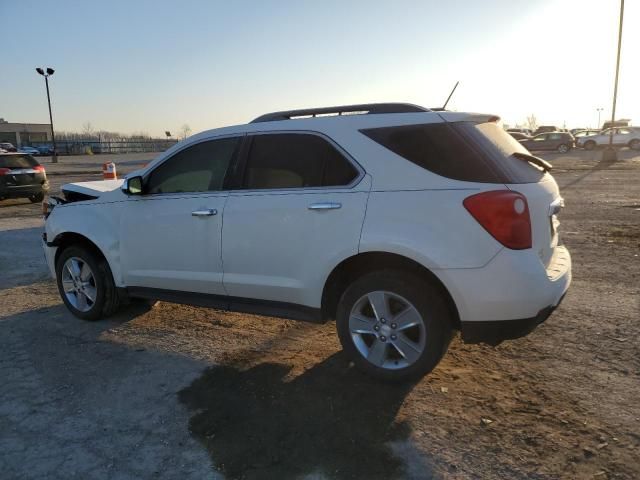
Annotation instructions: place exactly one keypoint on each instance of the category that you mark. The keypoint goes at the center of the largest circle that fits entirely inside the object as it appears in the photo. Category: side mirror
(132, 186)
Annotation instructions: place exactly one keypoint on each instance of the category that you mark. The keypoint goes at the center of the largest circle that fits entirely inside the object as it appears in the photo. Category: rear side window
(439, 148)
(466, 151)
(199, 168)
(292, 160)
(17, 161)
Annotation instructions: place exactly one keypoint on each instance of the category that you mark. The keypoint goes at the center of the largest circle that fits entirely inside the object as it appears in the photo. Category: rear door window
(295, 160)
(464, 151)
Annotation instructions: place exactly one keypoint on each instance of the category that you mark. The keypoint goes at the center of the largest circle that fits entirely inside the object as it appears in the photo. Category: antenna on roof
(449, 97)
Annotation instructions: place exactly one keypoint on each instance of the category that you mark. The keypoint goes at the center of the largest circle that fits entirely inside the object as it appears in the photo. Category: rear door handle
(324, 206)
(208, 212)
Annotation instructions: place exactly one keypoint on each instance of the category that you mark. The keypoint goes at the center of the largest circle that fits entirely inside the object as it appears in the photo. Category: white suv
(403, 224)
(620, 136)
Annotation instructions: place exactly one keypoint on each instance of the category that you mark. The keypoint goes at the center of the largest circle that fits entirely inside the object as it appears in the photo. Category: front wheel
(86, 284)
(394, 325)
(590, 145)
(563, 148)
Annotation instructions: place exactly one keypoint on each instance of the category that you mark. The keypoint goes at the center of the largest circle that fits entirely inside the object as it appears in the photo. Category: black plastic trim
(268, 308)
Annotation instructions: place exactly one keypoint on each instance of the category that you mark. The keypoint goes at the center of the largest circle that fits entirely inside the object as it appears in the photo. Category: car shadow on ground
(331, 420)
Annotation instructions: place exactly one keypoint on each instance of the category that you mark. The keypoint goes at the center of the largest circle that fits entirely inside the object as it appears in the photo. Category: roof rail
(365, 108)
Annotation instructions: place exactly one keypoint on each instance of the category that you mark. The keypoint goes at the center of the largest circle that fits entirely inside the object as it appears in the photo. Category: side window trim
(241, 137)
(245, 150)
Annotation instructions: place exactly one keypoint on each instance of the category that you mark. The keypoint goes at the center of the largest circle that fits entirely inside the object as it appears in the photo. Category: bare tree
(87, 129)
(532, 122)
(185, 131)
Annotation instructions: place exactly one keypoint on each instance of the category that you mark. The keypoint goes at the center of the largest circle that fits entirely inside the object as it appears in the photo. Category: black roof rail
(365, 108)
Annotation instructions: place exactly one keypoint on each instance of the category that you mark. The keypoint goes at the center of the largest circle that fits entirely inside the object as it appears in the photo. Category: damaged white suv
(403, 224)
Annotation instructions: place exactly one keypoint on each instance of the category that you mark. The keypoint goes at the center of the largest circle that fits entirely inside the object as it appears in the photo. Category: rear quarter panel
(431, 227)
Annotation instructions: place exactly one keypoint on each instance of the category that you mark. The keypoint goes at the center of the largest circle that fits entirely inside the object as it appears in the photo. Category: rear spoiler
(468, 117)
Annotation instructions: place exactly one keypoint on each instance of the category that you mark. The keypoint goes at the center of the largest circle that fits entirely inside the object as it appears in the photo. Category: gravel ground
(177, 391)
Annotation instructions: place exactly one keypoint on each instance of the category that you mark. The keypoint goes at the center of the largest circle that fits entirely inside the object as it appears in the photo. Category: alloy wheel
(387, 330)
(79, 284)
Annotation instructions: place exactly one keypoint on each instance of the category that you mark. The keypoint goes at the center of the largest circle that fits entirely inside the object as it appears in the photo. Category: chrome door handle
(204, 213)
(324, 206)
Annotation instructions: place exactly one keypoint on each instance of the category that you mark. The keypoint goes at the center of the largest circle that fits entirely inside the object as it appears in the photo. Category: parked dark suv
(560, 141)
(21, 176)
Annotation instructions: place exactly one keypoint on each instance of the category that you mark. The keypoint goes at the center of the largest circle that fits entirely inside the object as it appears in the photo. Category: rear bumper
(510, 296)
(496, 332)
(23, 191)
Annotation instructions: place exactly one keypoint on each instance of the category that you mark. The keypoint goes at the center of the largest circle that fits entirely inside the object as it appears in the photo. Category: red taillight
(5, 171)
(504, 214)
(39, 168)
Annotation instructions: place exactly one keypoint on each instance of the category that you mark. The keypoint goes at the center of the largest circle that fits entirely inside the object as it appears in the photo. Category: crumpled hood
(95, 189)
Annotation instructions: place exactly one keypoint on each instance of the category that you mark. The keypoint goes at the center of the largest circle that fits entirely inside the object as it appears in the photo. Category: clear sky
(151, 66)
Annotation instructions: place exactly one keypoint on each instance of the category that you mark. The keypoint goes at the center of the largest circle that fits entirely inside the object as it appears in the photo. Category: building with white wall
(21, 134)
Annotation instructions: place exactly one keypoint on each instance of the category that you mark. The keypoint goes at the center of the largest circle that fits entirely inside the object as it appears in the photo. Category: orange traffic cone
(109, 171)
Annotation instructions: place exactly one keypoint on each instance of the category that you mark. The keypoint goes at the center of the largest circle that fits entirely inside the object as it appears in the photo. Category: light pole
(610, 154)
(49, 72)
(599, 110)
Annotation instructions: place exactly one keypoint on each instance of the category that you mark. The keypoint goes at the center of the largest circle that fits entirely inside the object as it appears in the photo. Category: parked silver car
(622, 137)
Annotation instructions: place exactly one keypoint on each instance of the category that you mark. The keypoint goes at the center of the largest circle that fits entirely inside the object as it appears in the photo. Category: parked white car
(401, 223)
(622, 136)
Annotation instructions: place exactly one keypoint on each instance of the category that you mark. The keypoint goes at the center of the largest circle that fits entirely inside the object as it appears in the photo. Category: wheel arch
(67, 239)
(360, 264)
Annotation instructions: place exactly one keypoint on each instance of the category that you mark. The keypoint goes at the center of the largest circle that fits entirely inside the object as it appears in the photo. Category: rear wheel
(590, 145)
(563, 148)
(394, 325)
(86, 284)
(634, 144)
(37, 198)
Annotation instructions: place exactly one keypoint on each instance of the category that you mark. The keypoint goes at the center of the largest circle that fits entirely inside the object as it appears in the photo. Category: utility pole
(50, 71)
(610, 154)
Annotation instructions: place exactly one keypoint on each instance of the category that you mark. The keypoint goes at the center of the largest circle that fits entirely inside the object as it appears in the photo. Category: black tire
(590, 145)
(563, 148)
(37, 198)
(107, 300)
(634, 144)
(428, 300)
